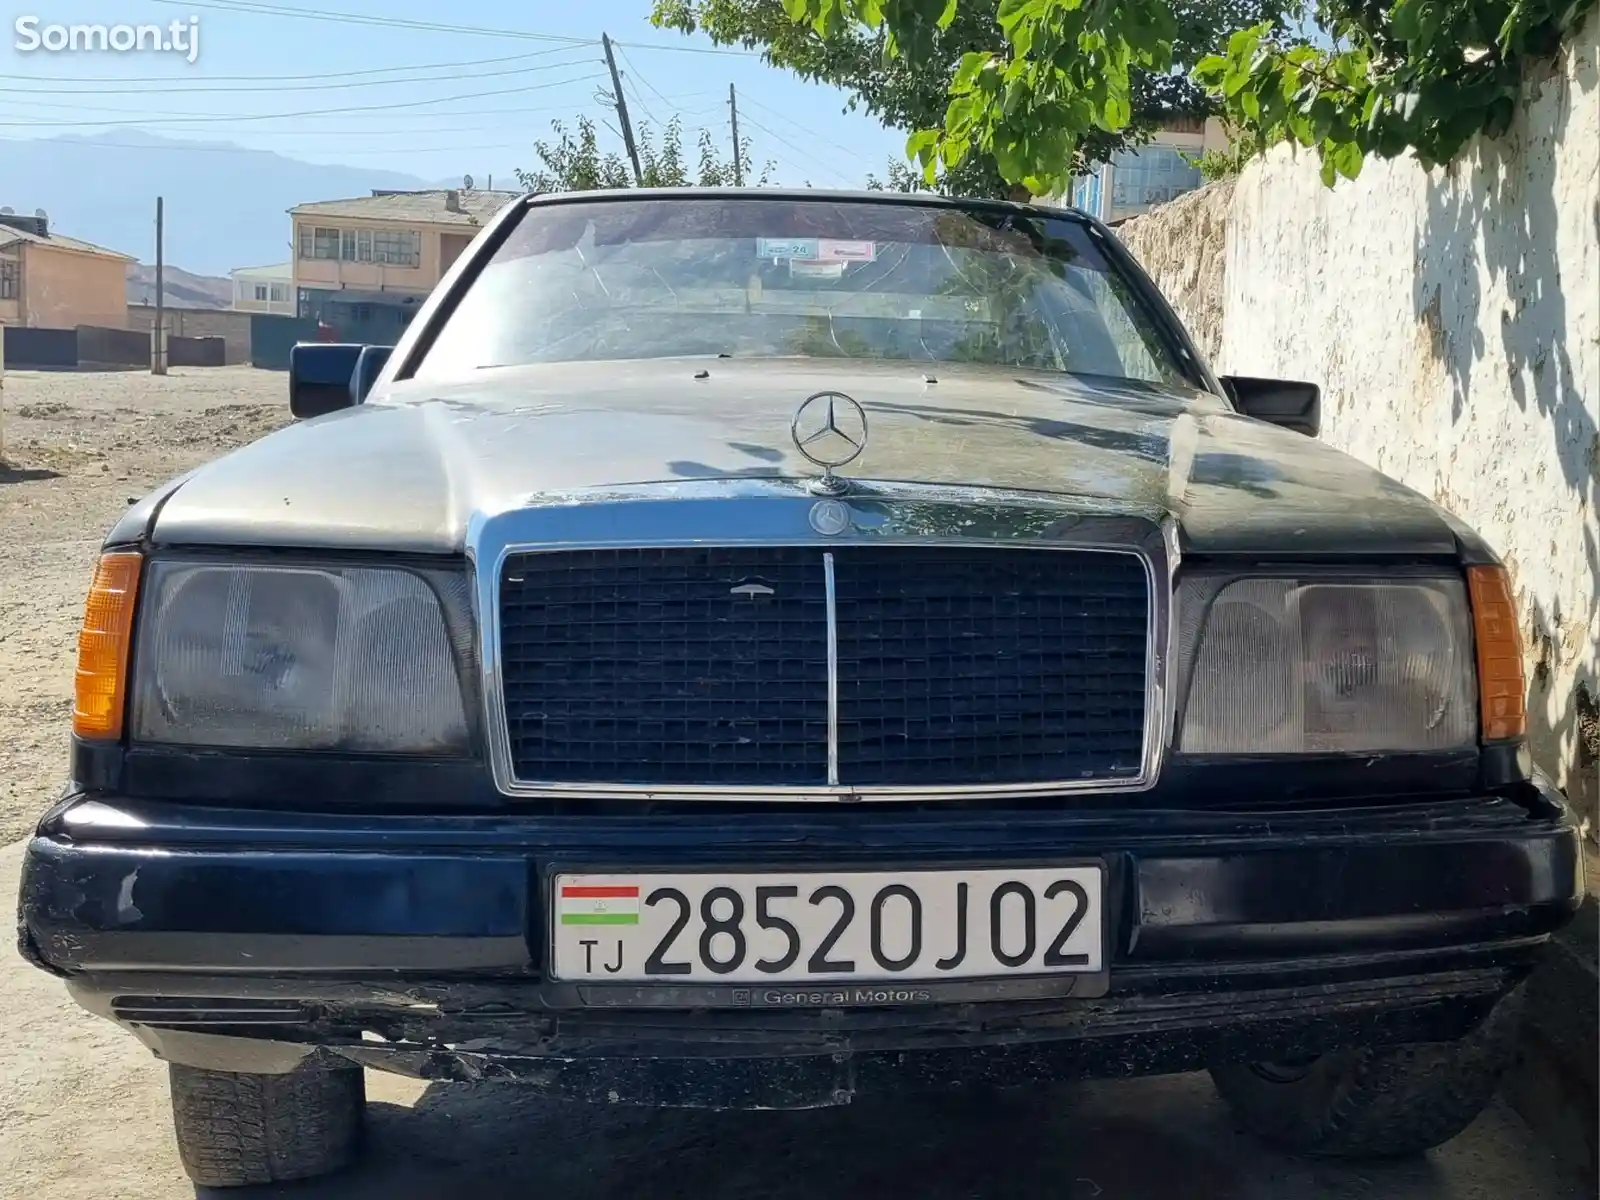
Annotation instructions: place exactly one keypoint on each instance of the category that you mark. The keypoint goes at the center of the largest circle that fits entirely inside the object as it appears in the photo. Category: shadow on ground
(1168, 1138)
(10, 474)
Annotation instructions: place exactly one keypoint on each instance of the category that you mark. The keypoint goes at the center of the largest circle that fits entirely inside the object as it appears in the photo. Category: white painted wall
(1452, 319)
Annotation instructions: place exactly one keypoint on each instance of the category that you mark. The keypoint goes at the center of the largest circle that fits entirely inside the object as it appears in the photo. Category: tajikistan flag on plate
(599, 904)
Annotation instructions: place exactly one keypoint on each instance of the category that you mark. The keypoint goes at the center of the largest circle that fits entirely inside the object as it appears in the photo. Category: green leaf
(967, 72)
(920, 145)
(948, 15)
(1012, 11)
(1243, 42)
(1406, 20)
(1347, 159)
(1250, 103)
(1118, 112)
(1327, 172)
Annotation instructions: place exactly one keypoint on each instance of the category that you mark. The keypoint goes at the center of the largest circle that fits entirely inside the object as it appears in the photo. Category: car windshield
(759, 278)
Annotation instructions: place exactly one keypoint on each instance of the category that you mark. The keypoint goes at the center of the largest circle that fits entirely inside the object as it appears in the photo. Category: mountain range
(181, 289)
(225, 204)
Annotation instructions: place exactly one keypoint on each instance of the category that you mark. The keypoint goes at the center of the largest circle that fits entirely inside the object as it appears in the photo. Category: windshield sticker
(809, 268)
(834, 251)
(787, 248)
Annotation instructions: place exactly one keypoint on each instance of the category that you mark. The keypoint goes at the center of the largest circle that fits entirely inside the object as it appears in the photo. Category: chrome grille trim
(771, 512)
(831, 591)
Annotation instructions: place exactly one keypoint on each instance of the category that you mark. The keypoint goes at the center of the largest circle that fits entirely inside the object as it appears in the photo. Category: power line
(317, 112)
(802, 128)
(309, 87)
(634, 71)
(690, 49)
(436, 66)
(410, 130)
(348, 18)
(260, 8)
(749, 120)
(201, 149)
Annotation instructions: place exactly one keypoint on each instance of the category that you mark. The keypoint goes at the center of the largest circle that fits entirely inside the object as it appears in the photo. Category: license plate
(827, 926)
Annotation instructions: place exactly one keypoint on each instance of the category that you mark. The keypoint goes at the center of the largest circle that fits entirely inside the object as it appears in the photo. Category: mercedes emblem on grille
(829, 517)
(830, 429)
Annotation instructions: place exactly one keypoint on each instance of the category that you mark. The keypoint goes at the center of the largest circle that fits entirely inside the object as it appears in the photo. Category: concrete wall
(1452, 318)
(196, 351)
(98, 346)
(62, 288)
(28, 346)
(273, 337)
(232, 327)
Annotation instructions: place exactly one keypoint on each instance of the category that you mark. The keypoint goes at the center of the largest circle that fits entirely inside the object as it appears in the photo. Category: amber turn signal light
(1502, 685)
(103, 647)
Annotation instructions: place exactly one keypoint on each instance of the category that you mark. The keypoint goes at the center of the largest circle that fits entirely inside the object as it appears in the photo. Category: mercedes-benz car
(754, 648)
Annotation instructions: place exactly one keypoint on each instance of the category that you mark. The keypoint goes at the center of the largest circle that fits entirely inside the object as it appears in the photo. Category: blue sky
(436, 102)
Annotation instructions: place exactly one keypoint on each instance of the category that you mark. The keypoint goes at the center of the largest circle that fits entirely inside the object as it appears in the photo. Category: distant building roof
(272, 271)
(432, 208)
(9, 236)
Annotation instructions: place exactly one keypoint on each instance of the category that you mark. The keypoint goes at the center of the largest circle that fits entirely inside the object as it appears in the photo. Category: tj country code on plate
(806, 927)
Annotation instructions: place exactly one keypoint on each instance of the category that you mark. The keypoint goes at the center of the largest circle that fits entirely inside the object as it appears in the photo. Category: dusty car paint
(407, 470)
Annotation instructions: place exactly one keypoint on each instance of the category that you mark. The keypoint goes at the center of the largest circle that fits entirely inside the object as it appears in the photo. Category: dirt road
(83, 1108)
(78, 449)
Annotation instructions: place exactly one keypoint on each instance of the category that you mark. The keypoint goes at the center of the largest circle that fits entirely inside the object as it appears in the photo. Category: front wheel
(236, 1129)
(1372, 1103)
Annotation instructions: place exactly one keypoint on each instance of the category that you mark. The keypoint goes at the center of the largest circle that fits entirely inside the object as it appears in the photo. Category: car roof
(824, 195)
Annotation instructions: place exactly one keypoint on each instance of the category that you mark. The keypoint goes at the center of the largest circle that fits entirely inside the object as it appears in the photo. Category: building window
(347, 245)
(10, 281)
(1086, 190)
(397, 247)
(280, 293)
(261, 292)
(319, 242)
(1153, 175)
(363, 245)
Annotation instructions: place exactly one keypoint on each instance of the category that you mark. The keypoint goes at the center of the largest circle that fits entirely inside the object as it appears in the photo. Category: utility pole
(622, 111)
(733, 111)
(158, 341)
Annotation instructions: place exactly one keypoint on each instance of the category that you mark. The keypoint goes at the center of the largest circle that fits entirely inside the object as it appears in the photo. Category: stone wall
(1452, 318)
(233, 327)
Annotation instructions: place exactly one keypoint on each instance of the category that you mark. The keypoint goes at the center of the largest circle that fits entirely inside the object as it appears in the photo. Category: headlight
(296, 658)
(1306, 666)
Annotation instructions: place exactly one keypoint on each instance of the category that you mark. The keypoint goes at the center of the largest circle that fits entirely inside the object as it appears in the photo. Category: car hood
(407, 470)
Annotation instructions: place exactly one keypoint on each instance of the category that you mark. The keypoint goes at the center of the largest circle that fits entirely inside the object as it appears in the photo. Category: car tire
(1375, 1103)
(236, 1129)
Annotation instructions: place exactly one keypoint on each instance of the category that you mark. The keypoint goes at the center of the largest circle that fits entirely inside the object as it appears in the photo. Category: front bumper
(263, 941)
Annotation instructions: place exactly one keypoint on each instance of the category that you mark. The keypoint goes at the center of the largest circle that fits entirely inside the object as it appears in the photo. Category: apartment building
(365, 265)
(56, 282)
(264, 289)
(1162, 169)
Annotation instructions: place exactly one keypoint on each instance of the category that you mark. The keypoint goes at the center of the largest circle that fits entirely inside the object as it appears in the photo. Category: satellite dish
(8, 211)
(466, 182)
(41, 214)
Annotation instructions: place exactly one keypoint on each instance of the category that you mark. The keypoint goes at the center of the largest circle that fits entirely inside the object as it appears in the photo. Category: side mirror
(320, 377)
(368, 365)
(1283, 402)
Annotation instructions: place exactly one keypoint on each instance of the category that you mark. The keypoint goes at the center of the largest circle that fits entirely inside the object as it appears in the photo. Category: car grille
(684, 667)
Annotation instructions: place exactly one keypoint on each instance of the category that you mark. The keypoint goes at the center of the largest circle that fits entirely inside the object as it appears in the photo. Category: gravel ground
(79, 448)
(83, 1108)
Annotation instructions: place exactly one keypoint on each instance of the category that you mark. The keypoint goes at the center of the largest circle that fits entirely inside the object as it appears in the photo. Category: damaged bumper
(256, 941)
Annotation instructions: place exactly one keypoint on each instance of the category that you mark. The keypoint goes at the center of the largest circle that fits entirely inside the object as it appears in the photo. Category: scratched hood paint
(407, 470)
